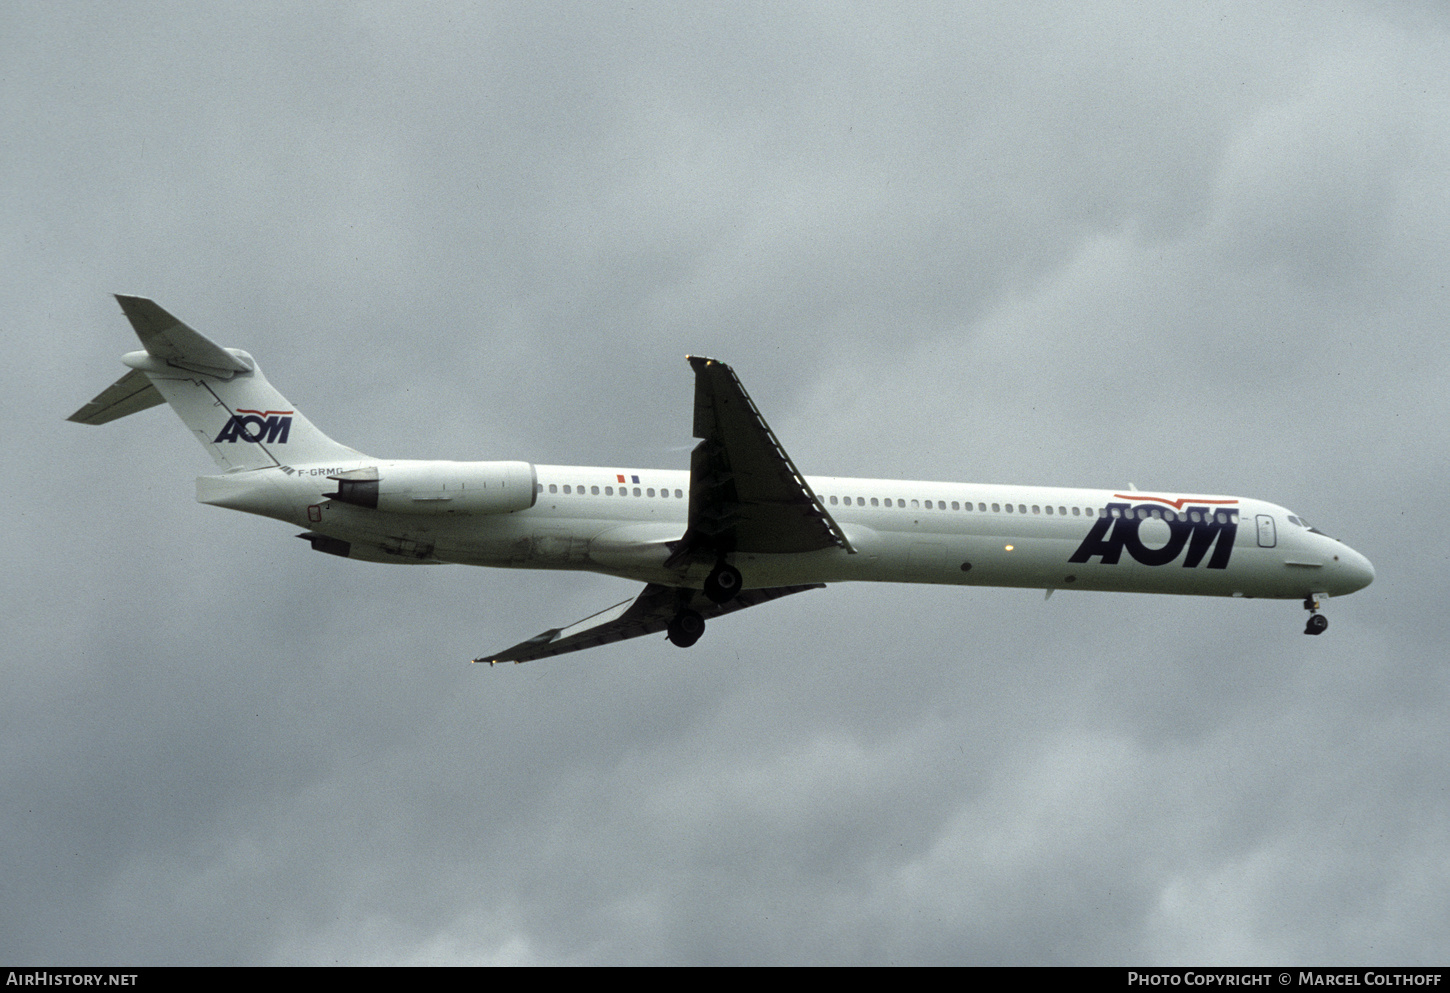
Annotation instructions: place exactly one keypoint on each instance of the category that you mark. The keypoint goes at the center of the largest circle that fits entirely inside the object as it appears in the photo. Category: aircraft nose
(1355, 570)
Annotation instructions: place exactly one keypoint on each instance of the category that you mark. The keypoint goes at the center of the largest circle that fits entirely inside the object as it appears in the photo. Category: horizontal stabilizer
(131, 393)
(166, 338)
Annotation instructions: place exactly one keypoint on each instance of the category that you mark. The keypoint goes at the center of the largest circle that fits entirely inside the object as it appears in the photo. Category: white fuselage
(585, 518)
(743, 526)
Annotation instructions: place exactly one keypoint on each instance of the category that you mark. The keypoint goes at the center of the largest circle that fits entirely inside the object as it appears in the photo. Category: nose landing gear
(1318, 623)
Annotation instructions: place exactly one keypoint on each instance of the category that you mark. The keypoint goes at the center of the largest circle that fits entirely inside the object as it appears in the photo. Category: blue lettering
(1117, 531)
(274, 428)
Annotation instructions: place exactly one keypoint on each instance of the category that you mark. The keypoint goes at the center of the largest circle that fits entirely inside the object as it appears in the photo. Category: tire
(685, 629)
(723, 584)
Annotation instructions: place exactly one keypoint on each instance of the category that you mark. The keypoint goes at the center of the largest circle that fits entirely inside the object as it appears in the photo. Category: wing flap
(648, 613)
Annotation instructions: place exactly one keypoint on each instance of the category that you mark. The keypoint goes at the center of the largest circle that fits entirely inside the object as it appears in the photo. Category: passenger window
(553, 488)
(846, 501)
(833, 501)
(873, 501)
(996, 508)
(650, 491)
(913, 505)
(1009, 508)
(678, 495)
(982, 508)
(1049, 508)
(636, 491)
(593, 491)
(1036, 509)
(566, 488)
(955, 505)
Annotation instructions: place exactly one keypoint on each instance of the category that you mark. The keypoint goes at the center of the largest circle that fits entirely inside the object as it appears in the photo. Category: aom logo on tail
(1199, 527)
(257, 425)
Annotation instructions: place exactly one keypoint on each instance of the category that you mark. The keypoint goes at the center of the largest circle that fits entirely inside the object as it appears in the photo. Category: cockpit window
(1305, 525)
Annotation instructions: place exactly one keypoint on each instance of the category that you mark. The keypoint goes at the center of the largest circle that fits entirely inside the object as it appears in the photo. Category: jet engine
(438, 487)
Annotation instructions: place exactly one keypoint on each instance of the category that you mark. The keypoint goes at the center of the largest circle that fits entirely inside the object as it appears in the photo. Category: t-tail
(219, 393)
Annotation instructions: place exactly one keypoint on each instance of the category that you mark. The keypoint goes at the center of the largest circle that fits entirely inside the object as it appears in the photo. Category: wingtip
(130, 303)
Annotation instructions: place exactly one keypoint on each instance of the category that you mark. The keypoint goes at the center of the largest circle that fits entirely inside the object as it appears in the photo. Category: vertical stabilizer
(219, 393)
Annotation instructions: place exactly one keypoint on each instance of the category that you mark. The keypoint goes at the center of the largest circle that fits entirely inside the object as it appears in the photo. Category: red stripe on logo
(1175, 504)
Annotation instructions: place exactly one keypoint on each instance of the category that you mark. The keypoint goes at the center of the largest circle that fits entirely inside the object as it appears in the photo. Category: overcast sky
(1195, 246)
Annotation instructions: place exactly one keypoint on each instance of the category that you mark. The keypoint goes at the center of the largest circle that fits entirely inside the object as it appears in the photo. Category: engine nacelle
(439, 487)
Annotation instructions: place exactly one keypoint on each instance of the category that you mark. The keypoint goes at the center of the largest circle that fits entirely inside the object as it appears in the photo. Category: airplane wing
(745, 493)
(647, 613)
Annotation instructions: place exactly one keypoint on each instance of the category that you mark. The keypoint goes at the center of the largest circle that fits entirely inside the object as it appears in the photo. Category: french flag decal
(633, 479)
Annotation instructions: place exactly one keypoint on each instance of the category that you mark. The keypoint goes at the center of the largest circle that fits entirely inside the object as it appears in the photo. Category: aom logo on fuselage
(1198, 526)
(257, 425)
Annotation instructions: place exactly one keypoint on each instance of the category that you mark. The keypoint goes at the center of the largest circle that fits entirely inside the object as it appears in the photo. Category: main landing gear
(1317, 621)
(721, 586)
(723, 583)
(685, 629)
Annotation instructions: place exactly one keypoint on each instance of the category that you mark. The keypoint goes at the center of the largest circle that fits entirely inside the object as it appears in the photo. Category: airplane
(740, 527)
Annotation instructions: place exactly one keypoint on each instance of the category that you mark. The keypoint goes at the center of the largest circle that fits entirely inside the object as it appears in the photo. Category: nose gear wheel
(1318, 623)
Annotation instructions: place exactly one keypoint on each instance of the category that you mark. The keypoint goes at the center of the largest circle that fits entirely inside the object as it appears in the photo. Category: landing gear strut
(685, 629)
(723, 583)
(1317, 621)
